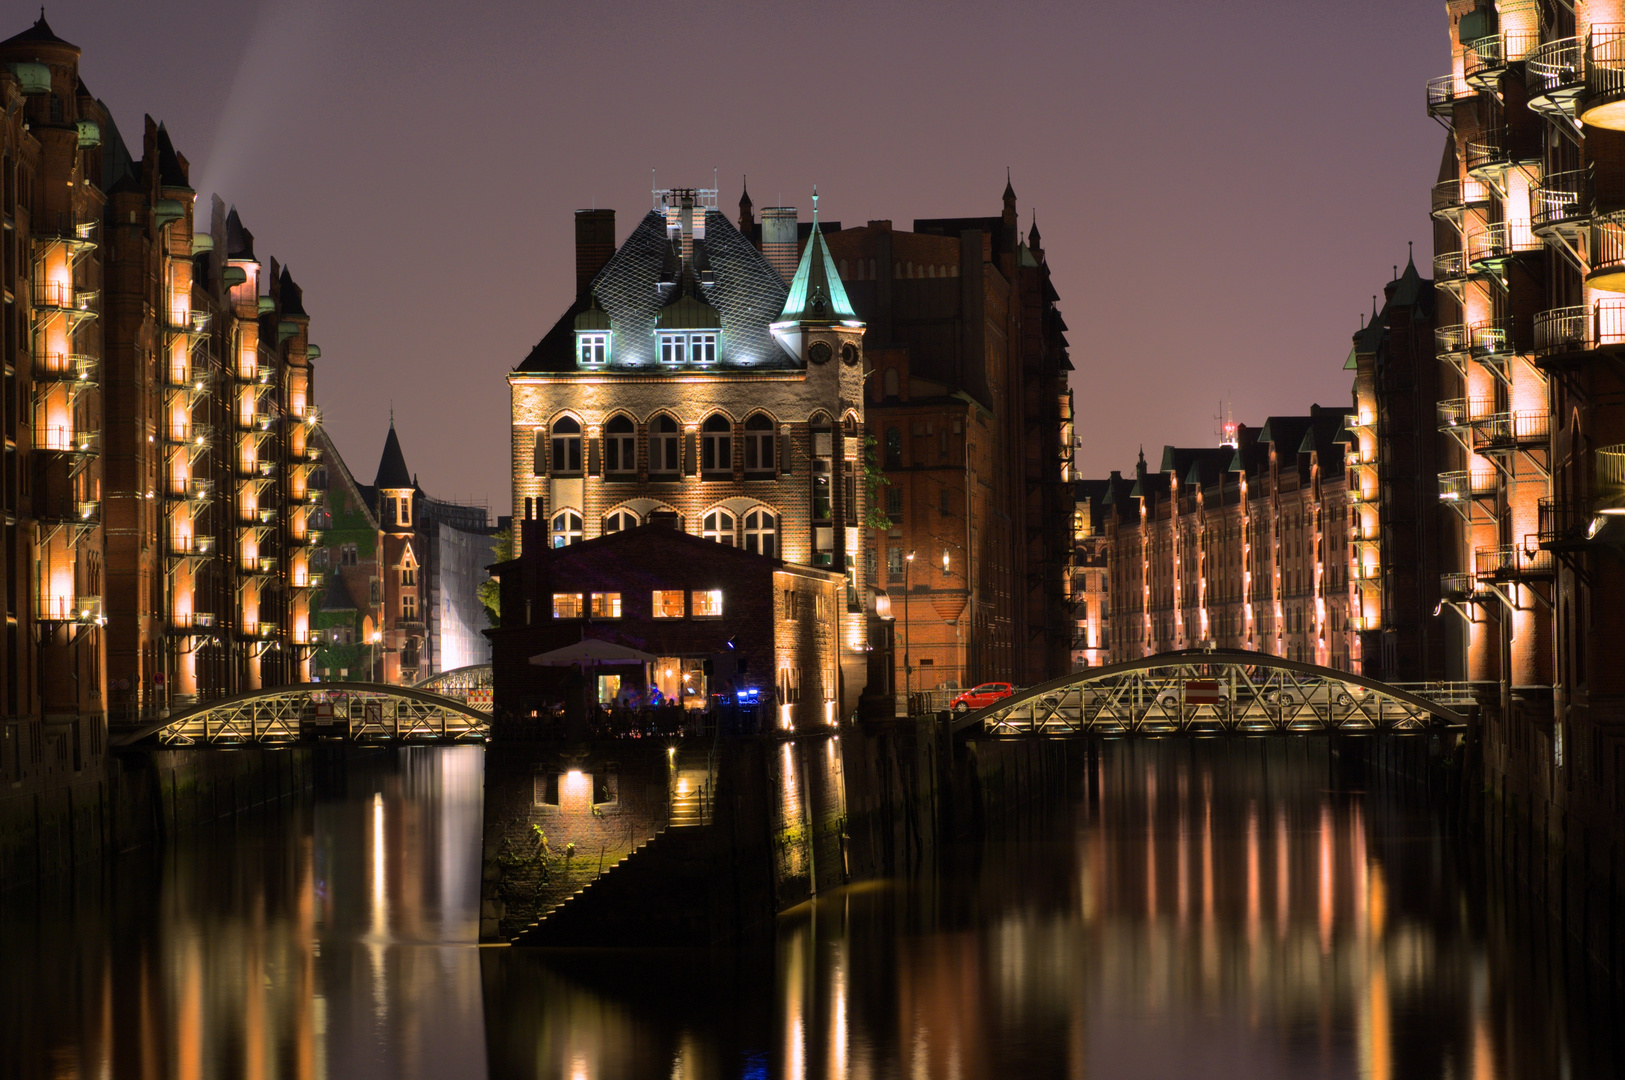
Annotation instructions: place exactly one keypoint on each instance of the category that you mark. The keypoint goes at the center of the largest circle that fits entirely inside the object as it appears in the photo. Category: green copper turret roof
(816, 292)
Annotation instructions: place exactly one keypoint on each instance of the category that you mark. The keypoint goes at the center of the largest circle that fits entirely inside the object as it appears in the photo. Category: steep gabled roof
(392, 471)
(292, 298)
(645, 275)
(38, 34)
(816, 292)
(239, 241)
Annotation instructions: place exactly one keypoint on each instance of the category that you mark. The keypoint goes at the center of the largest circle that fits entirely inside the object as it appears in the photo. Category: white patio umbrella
(590, 652)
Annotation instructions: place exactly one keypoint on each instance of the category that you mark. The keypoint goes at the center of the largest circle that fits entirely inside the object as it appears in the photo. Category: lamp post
(908, 670)
(372, 655)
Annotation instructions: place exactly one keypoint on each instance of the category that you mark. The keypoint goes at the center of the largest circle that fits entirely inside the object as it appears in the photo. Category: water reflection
(1194, 910)
(333, 938)
(1203, 910)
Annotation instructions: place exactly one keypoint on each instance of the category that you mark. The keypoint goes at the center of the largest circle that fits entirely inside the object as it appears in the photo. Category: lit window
(672, 348)
(606, 605)
(566, 528)
(707, 603)
(567, 605)
(594, 348)
(719, 526)
(759, 457)
(620, 446)
(409, 608)
(761, 532)
(703, 348)
(619, 521)
(567, 446)
(409, 575)
(663, 456)
(716, 446)
(668, 603)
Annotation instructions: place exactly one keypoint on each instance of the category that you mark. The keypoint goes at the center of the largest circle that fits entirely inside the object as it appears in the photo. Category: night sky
(1220, 186)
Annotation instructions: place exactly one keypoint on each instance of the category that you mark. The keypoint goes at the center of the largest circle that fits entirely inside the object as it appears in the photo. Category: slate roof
(392, 472)
(644, 275)
(38, 34)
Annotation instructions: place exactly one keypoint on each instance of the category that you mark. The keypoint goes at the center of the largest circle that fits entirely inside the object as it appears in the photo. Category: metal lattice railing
(1223, 691)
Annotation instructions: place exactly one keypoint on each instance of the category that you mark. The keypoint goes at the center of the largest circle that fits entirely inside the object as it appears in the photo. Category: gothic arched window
(663, 456)
(719, 526)
(566, 528)
(620, 446)
(716, 445)
(762, 531)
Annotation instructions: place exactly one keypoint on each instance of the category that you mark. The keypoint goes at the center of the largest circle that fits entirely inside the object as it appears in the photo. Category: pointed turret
(817, 296)
(747, 210)
(392, 470)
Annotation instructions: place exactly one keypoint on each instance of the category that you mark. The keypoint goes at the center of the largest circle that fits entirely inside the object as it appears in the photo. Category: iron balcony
(1564, 336)
(1511, 562)
(1562, 199)
(1555, 77)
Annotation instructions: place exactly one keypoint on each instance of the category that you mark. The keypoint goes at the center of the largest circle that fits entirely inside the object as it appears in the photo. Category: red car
(980, 697)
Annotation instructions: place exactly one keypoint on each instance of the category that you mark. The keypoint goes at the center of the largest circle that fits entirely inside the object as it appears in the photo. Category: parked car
(980, 697)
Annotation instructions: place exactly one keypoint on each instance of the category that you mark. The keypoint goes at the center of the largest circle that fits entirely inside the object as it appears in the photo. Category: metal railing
(1580, 328)
(1442, 94)
(1563, 522)
(1611, 468)
(191, 490)
(1462, 485)
(1510, 429)
(1487, 153)
(1605, 63)
(1492, 339)
(1511, 561)
(1561, 198)
(65, 367)
(196, 620)
(1607, 247)
(54, 294)
(1446, 198)
(1486, 58)
(70, 609)
(1452, 338)
(1499, 242)
(1457, 412)
(1556, 67)
(190, 544)
(1449, 265)
(1457, 586)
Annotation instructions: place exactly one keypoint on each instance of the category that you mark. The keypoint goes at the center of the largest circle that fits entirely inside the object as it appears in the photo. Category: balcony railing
(56, 295)
(183, 543)
(65, 367)
(1605, 74)
(192, 622)
(1607, 248)
(1449, 265)
(259, 564)
(1492, 339)
(1611, 468)
(193, 489)
(1555, 75)
(1491, 246)
(1487, 154)
(67, 440)
(260, 631)
(1562, 198)
(1458, 586)
(1443, 93)
(1455, 413)
(1580, 329)
(1486, 59)
(1564, 524)
(1464, 485)
(1510, 430)
(1453, 338)
(1510, 561)
(70, 609)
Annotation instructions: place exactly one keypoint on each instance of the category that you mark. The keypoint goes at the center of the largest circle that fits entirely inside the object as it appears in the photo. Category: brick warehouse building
(971, 415)
(688, 383)
(1529, 268)
(159, 401)
(1243, 545)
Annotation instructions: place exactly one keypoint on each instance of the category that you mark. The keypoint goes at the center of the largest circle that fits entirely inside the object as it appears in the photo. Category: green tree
(489, 592)
(875, 481)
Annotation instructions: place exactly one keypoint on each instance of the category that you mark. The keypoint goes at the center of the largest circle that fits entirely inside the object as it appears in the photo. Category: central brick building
(690, 384)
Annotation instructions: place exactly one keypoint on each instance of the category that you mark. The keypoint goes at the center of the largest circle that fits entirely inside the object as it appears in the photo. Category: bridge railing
(1213, 693)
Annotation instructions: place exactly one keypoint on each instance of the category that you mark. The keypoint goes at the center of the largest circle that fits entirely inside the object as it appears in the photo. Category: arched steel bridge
(359, 712)
(1223, 691)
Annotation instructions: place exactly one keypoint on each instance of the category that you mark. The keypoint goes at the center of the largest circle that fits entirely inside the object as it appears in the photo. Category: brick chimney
(779, 243)
(595, 243)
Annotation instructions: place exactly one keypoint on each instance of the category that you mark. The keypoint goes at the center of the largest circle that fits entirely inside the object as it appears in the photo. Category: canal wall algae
(135, 799)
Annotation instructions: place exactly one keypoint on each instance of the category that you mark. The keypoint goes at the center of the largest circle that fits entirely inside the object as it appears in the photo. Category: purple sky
(1221, 186)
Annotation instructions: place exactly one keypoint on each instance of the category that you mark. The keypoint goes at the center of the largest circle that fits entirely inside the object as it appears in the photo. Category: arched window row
(721, 445)
(757, 530)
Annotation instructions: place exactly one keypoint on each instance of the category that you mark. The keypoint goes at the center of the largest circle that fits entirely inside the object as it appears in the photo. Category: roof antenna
(392, 414)
(815, 204)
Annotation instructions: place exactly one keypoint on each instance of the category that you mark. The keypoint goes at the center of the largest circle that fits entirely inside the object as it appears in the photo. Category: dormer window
(695, 348)
(592, 349)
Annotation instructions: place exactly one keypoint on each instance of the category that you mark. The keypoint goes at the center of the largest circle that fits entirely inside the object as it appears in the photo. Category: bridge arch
(1222, 691)
(364, 712)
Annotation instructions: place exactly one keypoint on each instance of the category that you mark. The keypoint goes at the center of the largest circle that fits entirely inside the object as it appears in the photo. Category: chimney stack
(779, 243)
(595, 243)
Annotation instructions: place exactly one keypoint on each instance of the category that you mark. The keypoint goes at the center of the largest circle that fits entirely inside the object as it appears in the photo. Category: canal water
(1190, 910)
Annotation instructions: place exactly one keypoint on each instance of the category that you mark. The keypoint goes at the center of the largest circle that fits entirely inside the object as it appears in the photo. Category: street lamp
(372, 655)
(908, 670)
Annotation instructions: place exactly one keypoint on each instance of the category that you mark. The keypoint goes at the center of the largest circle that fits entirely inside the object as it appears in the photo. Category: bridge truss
(358, 712)
(1197, 692)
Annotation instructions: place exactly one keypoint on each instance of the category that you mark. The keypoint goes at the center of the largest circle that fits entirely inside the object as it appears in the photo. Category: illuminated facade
(1091, 572)
(689, 383)
(971, 421)
(1241, 546)
(157, 551)
(1530, 264)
